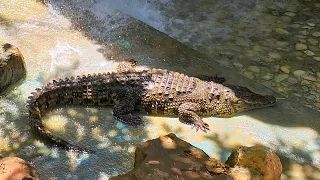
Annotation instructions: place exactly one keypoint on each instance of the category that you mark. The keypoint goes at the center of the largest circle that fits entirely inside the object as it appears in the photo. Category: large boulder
(14, 168)
(12, 67)
(261, 158)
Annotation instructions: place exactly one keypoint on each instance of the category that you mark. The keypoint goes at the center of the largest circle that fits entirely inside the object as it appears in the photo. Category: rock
(240, 173)
(314, 49)
(16, 168)
(304, 32)
(249, 74)
(214, 166)
(311, 24)
(263, 159)
(313, 41)
(292, 81)
(308, 77)
(268, 76)
(274, 55)
(316, 34)
(299, 73)
(300, 46)
(254, 69)
(318, 75)
(309, 53)
(281, 77)
(307, 27)
(317, 105)
(317, 5)
(281, 44)
(290, 14)
(301, 37)
(317, 58)
(12, 67)
(269, 60)
(281, 31)
(169, 157)
(238, 65)
(285, 69)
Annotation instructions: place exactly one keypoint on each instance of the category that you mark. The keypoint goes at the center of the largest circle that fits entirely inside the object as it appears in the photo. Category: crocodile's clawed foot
(201, 125)
(130, 119)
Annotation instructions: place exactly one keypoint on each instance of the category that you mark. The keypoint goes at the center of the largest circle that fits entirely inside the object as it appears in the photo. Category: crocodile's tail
(86, 90)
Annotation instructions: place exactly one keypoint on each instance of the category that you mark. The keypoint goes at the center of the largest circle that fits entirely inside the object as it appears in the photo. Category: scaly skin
(156, 91)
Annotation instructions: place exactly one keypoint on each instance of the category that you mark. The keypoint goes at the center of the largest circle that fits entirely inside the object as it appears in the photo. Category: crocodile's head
(244, 99)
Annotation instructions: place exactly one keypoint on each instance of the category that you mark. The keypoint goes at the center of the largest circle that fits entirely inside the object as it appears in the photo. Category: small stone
(238, 65)
(301, 37)
(299, 73)
(257, 48)
(316, 34)
(269, 60)
(285, 69)
(274, 55)
(286, 18)
(317, 5)
(317, 58)
(282, 44)
(307, 13)
(311, 97)
(281, 31)
(304, 32)
(300, 46)
(309, 77)
(268, 76)
(295, 25)
(317, 105)
(290, 14)
(311, 24)
(298, 53)
(314, 48)
(249, 74)
(302, 41)
(300, 58)
(318, 75)
(254, 69)
(305, 83)
(307, 27)
(309, 53)
(292, 81)
(313, 41)
(281, 77)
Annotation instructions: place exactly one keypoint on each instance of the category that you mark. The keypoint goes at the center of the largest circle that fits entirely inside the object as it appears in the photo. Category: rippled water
(73, 38)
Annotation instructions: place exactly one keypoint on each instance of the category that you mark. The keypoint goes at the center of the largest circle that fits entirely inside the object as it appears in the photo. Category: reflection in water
(52, 49)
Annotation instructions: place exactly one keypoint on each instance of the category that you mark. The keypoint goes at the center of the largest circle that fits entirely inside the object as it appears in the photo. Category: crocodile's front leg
(125, 101)
(187, 113)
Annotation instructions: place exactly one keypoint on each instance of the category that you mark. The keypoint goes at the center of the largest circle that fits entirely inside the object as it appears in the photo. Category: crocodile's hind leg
(187, 114)
(125, 101)
(126, 66)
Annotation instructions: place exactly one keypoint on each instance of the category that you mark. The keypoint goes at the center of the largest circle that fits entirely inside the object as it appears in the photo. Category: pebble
(292, 81)
(317, 105)
(304, 32)
(318, 74)
(249, 74)
(316, 34)
(309, 77)
(313, 41)
(314, 48)
(295, 25)
(274, 55)
(300, 46)
(268, 76)
(285, 69)
(282, 44)
(301, 36)
(281, 77)
(317, 5)
(307, 27)
(309, 53)
(238, 65)
(311, 24)
(300, 58)
(290, 14)
(299, 73)
(269, 60)
(281, 31)
(254, 69)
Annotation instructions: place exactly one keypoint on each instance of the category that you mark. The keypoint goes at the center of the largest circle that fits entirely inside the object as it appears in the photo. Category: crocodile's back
(167, 90)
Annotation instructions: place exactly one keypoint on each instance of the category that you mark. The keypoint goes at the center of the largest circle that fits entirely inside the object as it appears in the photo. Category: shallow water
(73, 38)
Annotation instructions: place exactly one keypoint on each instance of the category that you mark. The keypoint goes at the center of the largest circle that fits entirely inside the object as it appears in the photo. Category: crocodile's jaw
(245, 99)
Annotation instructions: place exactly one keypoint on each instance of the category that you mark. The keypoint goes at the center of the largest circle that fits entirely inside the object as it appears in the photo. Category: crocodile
(155, 91)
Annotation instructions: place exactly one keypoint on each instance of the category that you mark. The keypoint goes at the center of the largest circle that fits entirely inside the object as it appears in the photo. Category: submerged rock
(12, 67)
(16, 168)
(300, 46)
